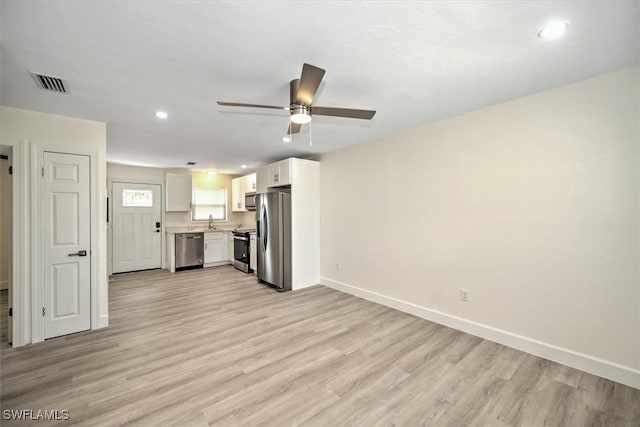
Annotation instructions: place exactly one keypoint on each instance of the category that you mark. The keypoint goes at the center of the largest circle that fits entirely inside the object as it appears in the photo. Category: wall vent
(51, 83)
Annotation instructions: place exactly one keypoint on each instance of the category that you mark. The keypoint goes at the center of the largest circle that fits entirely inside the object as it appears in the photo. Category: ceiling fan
(301, 94)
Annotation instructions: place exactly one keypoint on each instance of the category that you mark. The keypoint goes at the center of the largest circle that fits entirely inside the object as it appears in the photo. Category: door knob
(79, 253)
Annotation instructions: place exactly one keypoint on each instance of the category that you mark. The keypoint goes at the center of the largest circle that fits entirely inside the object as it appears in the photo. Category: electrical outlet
(464, 295)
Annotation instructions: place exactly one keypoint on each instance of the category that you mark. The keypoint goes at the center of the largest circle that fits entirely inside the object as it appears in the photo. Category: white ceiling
(413, 62)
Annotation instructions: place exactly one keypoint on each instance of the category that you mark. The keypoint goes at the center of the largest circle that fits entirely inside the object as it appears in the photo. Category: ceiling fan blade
(309, 82)
(293, 90)
(294, 128)
(343, 112)
(239, 104)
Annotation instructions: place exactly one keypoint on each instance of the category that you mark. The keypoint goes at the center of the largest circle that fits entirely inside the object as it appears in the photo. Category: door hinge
(10, 311)
(10, 170)
(42, 311)
(43, 171)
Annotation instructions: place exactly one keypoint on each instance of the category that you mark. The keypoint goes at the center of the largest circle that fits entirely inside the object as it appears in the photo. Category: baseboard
(103, 321)
(593, 365)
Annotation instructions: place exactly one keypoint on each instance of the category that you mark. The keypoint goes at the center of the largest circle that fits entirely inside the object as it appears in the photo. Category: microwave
(250, 201)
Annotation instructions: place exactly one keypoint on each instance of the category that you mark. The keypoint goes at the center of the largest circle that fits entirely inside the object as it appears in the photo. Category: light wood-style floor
(213, 347)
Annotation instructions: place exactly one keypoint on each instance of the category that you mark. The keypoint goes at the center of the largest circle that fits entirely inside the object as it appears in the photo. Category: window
(137, 198)
(209, 201)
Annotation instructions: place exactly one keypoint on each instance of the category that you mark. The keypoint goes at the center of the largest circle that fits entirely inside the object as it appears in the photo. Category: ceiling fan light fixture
(300, 115)
(301, 118)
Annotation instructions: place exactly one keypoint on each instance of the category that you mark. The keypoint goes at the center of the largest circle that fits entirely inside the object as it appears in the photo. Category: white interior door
(137, 234)
(67, 239)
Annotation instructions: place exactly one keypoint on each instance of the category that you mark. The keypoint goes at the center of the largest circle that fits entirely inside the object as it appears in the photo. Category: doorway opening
(6, 256)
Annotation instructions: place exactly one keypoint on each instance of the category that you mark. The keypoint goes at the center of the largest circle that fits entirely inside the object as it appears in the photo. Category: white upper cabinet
(276, 174)
(178, 192)
(237, 195)
(240, 187)
(279, 173)
(262, 175)
(250, 183)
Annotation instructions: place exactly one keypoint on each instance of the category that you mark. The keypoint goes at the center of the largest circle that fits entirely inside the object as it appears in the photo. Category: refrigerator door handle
(281, 233)
(265, 231)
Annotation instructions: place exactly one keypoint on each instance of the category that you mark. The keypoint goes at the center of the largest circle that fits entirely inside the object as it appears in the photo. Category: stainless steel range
(241, 254)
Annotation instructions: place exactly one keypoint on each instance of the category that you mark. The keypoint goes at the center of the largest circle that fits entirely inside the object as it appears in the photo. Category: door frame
(110, 181)
(37, 237)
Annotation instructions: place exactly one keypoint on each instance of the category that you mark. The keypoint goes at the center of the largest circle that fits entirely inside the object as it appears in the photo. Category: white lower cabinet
(216, 248)
(230, 247)
(253, 253)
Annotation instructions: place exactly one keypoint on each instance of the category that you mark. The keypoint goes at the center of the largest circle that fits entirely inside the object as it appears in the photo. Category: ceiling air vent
(54, 84)
(191, 163)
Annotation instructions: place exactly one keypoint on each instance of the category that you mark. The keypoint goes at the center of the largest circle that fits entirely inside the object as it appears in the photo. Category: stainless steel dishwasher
(189, 250)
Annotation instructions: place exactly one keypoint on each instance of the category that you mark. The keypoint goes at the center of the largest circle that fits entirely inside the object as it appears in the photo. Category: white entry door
(67, 239)
(137, 234)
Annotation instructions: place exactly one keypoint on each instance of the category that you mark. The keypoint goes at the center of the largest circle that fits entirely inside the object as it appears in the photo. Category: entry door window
(137, 198)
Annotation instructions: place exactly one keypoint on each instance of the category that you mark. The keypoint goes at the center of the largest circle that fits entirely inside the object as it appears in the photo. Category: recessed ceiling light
(286, 138)
(212, 172)
(244, 166)
(161, 114)
(553, 30)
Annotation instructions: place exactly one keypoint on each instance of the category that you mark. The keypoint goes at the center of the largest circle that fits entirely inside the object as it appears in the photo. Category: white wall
(40, 131)
(532, 205)
(117, 172)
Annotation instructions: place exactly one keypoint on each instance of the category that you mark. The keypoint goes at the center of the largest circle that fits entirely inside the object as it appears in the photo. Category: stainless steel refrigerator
(273, 223)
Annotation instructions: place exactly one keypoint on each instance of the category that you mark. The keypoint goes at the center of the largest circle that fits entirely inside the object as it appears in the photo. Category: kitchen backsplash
(236, 219)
